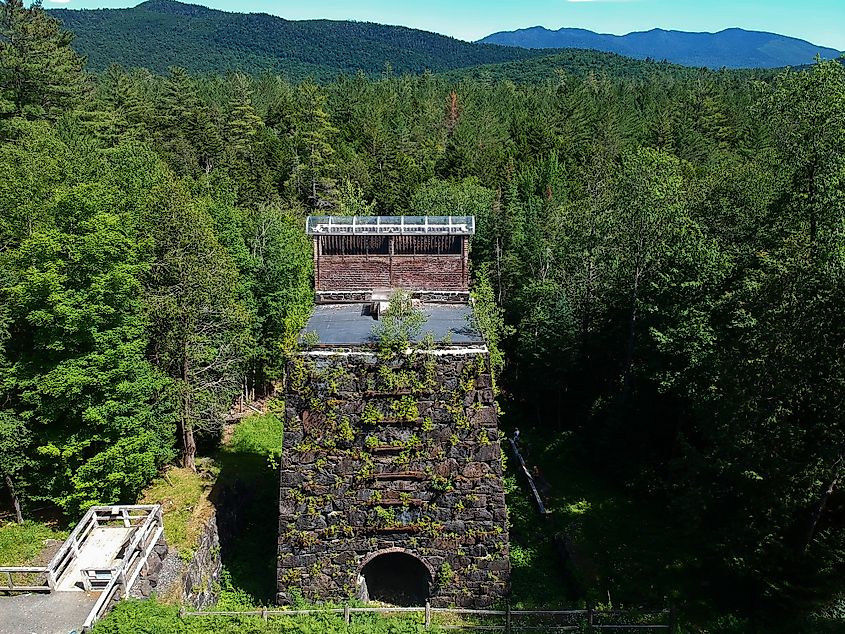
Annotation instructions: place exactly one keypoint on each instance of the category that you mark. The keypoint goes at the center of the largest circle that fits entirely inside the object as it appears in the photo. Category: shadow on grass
(596, 546)
(246, 496)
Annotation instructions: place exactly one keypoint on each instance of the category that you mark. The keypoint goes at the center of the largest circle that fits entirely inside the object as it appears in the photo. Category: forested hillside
(666, 255)
(158, 34)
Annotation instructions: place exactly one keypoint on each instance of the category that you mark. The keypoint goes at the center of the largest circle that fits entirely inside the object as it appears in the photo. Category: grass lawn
(20, 544)
(183, 495)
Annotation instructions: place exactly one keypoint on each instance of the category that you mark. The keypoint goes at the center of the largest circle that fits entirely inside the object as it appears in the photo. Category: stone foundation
(195, 582)
(147, 583)
(361, 297)
(397, 456)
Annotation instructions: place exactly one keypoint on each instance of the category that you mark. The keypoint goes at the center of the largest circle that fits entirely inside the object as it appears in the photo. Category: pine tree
(40, 74)
(313, 135)
(242, 124)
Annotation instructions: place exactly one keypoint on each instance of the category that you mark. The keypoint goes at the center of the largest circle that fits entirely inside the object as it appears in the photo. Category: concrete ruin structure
(391, 473)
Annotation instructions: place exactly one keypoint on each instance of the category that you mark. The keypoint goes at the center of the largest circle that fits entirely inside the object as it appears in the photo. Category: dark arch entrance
(395, 577)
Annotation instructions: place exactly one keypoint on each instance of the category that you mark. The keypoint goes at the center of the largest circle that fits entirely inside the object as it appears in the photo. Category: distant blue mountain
(731, 48)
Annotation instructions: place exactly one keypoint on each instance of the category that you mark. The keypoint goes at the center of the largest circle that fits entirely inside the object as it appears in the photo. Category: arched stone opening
(395, 576)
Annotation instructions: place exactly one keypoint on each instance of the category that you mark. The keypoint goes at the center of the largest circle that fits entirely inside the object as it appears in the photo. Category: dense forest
(667, 253)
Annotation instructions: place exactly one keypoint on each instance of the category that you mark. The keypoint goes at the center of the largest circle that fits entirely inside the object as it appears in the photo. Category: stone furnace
(391, 473)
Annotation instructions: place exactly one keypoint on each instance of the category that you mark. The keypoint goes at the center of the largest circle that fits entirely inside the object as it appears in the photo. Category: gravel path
(57, 613)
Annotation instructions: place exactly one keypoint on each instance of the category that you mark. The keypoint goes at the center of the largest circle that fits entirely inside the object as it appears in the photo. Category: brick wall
(352, 272)
(415, 272)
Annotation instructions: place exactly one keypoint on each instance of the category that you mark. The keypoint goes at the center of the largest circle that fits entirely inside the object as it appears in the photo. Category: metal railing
(390, 225)
(149, 525)
(146, 524)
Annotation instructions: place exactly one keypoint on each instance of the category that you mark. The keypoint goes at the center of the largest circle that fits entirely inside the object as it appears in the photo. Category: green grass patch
(151, 616)
(20, 544)
(259, 435)
(183, 496)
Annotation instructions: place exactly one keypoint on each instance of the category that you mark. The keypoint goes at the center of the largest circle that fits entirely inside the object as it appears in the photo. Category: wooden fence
(495, 620)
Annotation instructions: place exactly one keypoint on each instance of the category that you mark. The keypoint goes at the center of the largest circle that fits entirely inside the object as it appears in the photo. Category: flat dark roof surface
(351, 324)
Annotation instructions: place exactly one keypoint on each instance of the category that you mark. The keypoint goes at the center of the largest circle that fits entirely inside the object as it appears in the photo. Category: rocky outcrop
(201, 582)
(150, 578)
(194, 581)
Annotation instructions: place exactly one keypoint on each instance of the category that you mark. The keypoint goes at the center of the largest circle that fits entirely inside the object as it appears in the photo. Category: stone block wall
(392, 455)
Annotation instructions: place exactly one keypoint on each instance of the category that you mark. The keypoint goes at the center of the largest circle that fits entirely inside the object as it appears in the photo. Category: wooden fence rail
(577, 620)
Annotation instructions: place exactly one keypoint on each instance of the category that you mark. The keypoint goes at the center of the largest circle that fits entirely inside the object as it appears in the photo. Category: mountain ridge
(158, 34)
(732, 48)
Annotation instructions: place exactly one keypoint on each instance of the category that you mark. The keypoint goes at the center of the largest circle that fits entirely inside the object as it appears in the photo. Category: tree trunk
(836, 476)
(15, 501)
(186, 429)
(632, 333)
(189, 447)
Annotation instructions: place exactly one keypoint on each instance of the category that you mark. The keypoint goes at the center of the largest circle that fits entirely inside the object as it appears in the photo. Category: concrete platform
(57, 613)
(99, 551)
(352, 325)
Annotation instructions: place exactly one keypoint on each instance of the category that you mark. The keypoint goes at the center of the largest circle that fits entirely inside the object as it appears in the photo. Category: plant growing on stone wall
(429, 526)
(291, 577)
(405, 409)
(384, 517)
(345, 431)
(365, 469)
(371, 415)
(274, 456)
(399, 325)
(441, 484)
(427, 425)
(445, 575)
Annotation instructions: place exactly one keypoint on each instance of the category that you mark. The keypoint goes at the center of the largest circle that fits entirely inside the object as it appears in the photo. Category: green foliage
(488, 318)
(260, 42)
(657, 273)
(40, 74)
(78, 349)
(400, 324)
(164, 619)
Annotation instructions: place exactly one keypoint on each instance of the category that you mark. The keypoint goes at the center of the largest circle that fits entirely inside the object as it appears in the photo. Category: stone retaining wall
(195, 582)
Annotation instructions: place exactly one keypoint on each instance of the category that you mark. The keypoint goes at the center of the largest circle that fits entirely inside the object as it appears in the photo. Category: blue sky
(819, 21)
